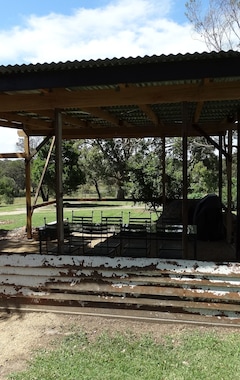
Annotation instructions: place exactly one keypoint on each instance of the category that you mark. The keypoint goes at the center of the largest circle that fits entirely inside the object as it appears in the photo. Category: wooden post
(28, 187)
(220, 171)
(185, 182)
(59, 186)
(238, 189)
(164, 172)
(44, 171)
(229, 188)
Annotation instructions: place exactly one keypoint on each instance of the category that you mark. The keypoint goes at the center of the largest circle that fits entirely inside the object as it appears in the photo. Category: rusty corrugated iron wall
(191, 288)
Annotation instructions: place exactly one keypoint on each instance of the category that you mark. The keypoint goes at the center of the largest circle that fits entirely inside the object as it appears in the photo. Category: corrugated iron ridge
(193, 288)
(54, 66)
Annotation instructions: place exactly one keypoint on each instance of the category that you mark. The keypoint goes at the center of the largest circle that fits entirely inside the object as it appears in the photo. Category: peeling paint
(195, 287)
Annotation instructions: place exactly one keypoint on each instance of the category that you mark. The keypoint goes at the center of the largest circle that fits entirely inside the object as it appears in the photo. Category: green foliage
(14, 169)
(72, 174)
(185, 356)
(131, 167)
(202, 168)
(135, 165)
(110, 161)
(203, 180)
(116, 154)
(7, 189)
(92, 163)
(174, 183)
(145, 172)
(146, 179)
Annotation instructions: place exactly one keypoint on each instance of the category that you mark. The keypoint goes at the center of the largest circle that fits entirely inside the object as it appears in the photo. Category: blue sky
(61, 30)
(14, 11)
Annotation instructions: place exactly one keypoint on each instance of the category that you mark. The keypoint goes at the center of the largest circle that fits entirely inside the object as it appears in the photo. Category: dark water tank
(209, 218)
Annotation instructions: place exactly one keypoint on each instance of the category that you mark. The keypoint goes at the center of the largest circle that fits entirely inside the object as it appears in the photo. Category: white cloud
(8, 139)
(122, 28)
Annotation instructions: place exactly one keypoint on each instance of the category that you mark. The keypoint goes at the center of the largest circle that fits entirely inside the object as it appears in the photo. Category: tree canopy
(72, 174)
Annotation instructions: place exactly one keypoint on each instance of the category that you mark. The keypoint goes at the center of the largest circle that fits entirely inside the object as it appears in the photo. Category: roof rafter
(200, 104)
(25, 119)
(105, 115)
(150, 114)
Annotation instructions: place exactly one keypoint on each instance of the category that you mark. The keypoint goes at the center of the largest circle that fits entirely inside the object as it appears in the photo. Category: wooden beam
(185, 180)
(220, 168)
(150, 114)
(164, 198)
(10, 124)
(13, 155)
(229, 189)
(91, 130)
(237, 236)
(105, 115)
(28, 188)
(28, 122)
(211, 141)
(61, 98)
(134, 132)
(200, 104)
(36, 150)
(59, 184)
(43, 173)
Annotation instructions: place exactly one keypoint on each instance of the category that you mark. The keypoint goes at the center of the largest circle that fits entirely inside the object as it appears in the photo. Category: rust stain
(165, 286)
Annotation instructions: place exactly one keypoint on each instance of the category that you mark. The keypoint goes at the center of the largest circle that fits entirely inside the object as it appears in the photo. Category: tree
(14, 169)
(146, 180)
(116, 154)
(146, 172)
(203, 167)
(203, 180)
(73, 176)
(7, 189)
(34, 141)
(91, 160)
(128, 164)
(218, 23)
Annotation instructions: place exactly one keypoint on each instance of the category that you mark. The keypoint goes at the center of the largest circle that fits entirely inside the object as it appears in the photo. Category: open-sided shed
(158, 96)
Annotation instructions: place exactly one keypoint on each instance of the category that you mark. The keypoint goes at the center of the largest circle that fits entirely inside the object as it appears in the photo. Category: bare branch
(218, 23)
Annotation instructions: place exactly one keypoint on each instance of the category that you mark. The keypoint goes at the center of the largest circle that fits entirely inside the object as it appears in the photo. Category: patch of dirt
(16, 234)
(22, 334)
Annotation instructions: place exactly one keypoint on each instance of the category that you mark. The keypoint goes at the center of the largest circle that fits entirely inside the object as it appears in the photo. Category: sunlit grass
(14, 216)
(203, 356)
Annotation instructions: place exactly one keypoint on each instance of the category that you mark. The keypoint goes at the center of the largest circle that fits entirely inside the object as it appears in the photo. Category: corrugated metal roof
(124, 97)
(71, 65)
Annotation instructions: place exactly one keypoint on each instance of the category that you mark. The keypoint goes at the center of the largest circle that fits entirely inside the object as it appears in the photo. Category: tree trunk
(97, 190)
(120, 193)
(44, 196)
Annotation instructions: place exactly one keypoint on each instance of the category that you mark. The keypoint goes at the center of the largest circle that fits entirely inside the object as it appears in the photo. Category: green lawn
(14, 216)
(187, 356)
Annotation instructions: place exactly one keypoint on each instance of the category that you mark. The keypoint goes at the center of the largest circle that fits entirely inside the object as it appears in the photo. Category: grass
(15, 215)
(187, 356)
